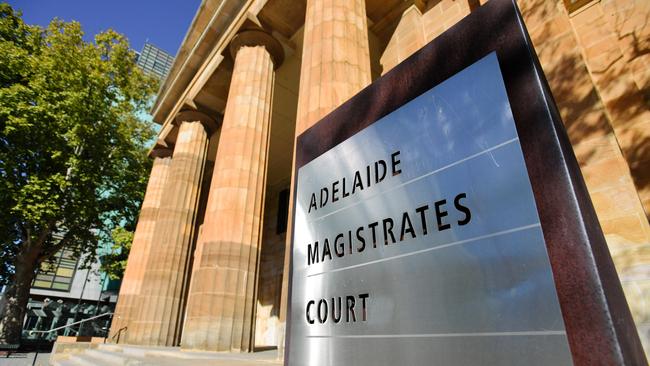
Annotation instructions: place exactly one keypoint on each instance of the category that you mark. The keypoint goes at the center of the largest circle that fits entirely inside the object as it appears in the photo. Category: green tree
(72, 147)
(114, 263)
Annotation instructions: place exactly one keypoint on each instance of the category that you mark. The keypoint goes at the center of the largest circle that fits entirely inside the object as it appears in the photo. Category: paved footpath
(25, 359)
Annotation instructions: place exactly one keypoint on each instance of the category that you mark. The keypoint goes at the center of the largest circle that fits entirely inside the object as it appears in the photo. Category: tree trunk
(17, 296)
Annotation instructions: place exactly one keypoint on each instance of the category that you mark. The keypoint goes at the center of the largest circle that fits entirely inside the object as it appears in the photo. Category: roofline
(179, 65)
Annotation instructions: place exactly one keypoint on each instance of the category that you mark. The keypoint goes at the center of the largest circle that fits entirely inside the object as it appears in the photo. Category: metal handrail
(117, 334)
(69, 325)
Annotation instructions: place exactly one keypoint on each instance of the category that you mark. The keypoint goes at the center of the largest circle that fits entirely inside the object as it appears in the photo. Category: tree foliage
(114, 263)
(72, 143)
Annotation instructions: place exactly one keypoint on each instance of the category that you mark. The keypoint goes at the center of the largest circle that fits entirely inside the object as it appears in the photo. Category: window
(58, 273)
(283, 212)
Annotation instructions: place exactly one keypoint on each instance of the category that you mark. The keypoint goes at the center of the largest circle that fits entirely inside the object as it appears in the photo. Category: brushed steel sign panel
(417, 240)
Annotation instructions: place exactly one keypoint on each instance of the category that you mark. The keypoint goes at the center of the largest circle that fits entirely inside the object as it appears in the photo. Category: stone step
(74, 359)
(159, 351)
(127, 355)
(130, 350)
(110, 347)
(100, 358)
(107, 357)
(65, 363)
(82, 359)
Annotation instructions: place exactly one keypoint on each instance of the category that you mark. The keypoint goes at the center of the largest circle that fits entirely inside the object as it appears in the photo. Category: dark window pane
(283, 211)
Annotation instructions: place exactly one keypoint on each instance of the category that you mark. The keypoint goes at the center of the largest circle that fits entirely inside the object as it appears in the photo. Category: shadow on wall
(596, 63)
(616, 95)
(271, 265)
(632, 30)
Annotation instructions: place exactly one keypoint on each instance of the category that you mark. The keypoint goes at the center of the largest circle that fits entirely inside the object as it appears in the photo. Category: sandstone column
(335, 58)
(335, 66)
(125, 311)
(221, 297)
(165, 274)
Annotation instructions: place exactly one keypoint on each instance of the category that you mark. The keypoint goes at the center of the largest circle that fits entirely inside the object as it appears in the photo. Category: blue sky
(162, 22)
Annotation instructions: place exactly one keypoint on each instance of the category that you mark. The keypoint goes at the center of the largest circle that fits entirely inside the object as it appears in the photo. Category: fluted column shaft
(165, 277)
(335, 58)
(221, 297)
(125, 311)
(335, 66)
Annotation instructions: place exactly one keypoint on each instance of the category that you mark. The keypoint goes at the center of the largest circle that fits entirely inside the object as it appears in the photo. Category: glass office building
(66, 290)
(58, 273)
(155, 61)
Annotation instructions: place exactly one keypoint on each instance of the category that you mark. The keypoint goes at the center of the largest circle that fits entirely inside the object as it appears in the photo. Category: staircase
(125, 355)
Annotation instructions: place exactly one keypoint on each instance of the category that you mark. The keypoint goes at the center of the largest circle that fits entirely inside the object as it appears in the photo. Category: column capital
(194, 115)
(256, 37)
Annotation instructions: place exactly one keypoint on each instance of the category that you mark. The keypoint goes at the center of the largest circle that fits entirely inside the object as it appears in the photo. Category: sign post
(440, 218)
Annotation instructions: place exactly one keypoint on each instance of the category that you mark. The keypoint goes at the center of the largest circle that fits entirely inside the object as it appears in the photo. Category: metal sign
(419, 235)
(424, 230)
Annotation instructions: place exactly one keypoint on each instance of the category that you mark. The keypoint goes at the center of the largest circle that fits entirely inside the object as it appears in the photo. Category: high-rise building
(155, 61)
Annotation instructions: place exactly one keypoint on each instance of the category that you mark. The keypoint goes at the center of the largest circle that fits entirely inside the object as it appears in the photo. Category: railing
(117, 334)
(68, 325)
